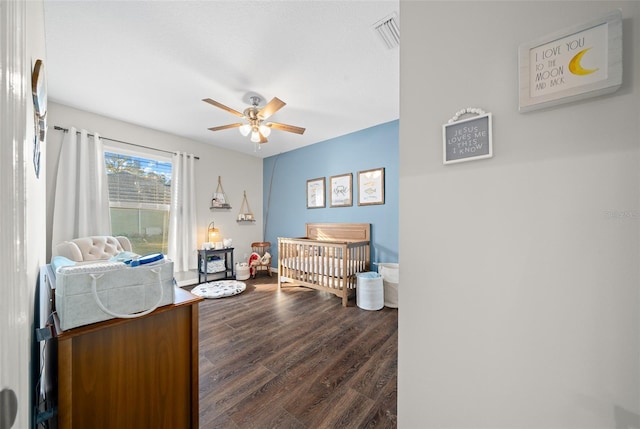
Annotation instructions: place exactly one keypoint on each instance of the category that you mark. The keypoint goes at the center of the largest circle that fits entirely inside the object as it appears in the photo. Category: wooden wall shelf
(245, 215)
(220, 200)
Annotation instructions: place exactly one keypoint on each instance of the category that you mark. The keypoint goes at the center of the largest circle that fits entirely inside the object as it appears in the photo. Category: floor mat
(219, 289)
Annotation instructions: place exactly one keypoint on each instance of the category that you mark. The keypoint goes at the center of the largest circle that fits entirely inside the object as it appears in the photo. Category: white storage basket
(242, 271)
(93, 293)
(369, 295)
(390, 273)
(215, 264)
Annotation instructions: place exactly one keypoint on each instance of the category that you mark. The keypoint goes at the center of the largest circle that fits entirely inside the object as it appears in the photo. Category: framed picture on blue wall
(371, 187)
(315, 193)
(340, 189)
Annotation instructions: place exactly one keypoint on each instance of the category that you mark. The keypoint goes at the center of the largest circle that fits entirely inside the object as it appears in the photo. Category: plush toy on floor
(252, 264)
(255, 261)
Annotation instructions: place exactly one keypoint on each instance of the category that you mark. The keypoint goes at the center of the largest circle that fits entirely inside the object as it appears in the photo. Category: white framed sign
(572, 64)
(467, 139)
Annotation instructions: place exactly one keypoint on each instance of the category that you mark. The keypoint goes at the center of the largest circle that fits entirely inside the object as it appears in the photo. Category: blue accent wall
(285, 181)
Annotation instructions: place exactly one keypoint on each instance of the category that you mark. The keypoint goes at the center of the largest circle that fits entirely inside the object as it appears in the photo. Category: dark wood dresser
(132, 373)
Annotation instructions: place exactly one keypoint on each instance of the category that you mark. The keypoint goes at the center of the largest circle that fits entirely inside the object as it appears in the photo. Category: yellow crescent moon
(576, 68)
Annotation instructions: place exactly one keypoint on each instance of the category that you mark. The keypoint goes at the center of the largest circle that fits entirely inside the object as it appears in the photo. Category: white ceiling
(152, 62)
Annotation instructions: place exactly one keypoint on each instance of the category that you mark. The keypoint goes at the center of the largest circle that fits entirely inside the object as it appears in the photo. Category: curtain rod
(66, 130)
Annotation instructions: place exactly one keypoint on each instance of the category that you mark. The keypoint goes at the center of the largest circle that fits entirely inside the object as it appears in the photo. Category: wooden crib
(327, 258)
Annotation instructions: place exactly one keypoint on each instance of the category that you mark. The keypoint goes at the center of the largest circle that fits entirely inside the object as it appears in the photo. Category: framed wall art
(315, 193)
(341, 190)
(572, 64)
(467, 139)
(371, 187)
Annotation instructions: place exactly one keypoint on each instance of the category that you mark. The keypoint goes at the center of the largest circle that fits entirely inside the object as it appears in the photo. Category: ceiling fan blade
(223, 107)
(263, 139)
(285, 127)
(224, 127)
(271, 107)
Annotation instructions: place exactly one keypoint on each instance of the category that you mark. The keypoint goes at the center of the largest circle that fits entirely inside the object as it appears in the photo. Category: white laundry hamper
(242, 271)
(390, 273)
(369, 294)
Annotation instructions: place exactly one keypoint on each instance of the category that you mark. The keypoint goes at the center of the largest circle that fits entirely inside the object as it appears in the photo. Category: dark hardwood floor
(296, 358)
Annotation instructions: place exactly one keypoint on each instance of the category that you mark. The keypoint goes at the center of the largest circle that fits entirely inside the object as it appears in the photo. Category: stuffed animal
(255, 260)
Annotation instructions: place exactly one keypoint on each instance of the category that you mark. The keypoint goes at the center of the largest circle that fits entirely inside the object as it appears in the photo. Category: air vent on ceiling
(388, 30)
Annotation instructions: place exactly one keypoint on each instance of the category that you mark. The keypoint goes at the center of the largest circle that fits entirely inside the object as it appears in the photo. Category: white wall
(21, 223)
(239, 172)
(519, 298)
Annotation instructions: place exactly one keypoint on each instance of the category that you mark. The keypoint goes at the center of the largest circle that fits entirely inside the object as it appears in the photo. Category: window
(139, 199)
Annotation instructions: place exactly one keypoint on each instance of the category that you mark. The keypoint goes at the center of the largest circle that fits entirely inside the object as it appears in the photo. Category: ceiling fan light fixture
(256, 125)
(264, 130)
(245, 129)
(255, 135)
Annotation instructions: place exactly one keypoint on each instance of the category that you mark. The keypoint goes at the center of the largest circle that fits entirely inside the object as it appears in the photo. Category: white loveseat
(93, 248)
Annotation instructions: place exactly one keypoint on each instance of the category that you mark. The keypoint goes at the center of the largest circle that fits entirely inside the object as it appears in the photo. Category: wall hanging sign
(39, 93)
(315, 193)
(371, 187)
(572, 64)
(467, 139)
(340, 187)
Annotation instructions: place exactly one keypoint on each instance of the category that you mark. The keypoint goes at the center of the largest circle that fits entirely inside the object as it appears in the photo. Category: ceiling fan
(256, 117)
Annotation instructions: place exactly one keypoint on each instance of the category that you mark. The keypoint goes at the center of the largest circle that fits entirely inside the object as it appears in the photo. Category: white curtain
(81, 206)
(183, 239)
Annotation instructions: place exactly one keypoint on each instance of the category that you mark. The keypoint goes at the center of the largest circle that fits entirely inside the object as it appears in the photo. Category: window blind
(138, 182)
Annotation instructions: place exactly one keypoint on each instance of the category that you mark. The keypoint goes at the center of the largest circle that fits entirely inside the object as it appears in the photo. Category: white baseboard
(186, 278)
